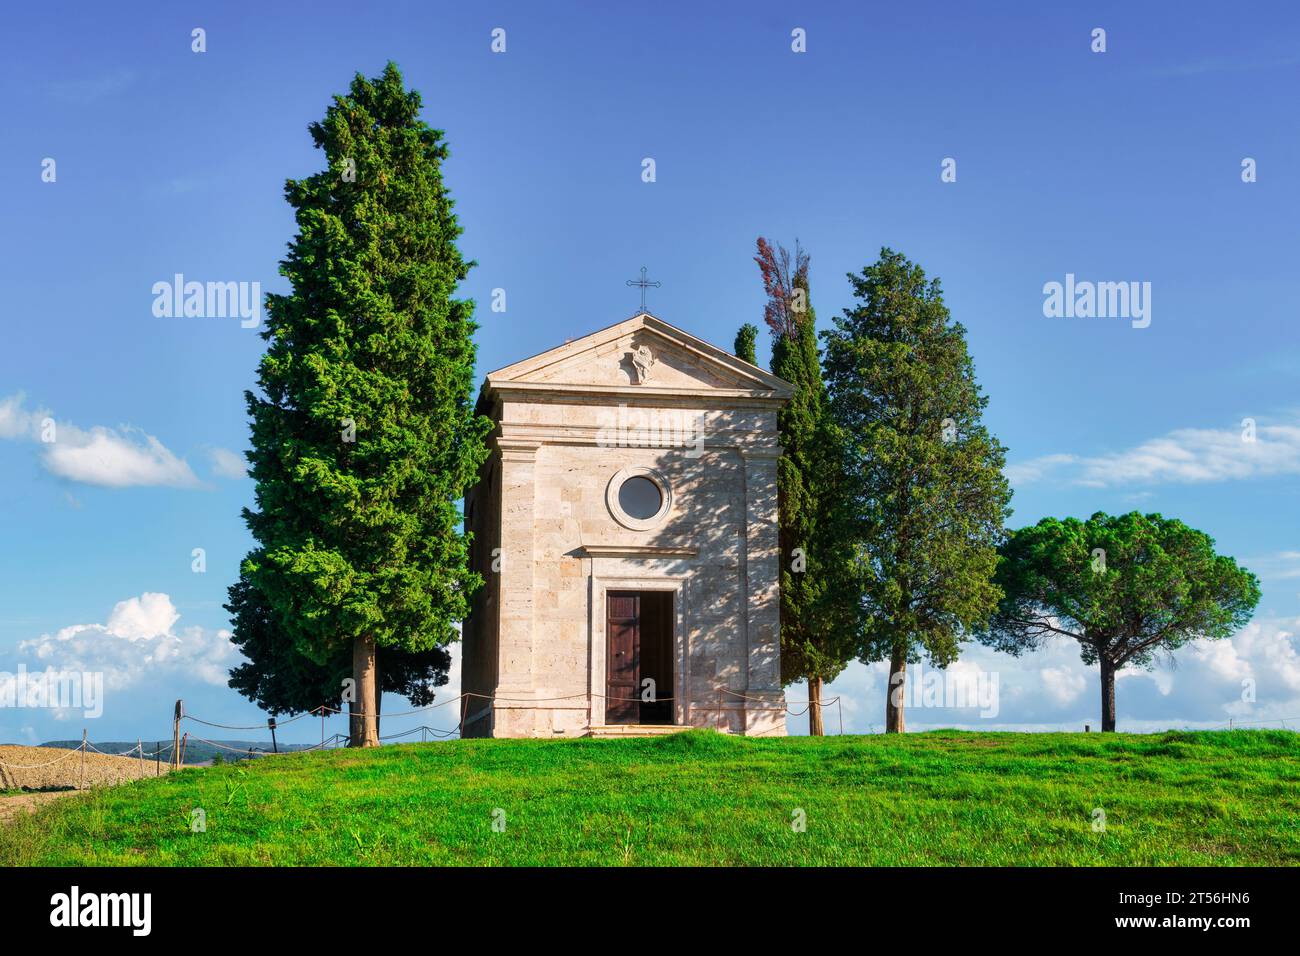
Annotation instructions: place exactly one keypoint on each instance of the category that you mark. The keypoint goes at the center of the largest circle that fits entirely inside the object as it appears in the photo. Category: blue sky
(1115, 166)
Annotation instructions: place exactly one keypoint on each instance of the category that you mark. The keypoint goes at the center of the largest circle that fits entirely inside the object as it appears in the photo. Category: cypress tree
(746, 339)
(815, 644)
(364, 436)
(924, 497)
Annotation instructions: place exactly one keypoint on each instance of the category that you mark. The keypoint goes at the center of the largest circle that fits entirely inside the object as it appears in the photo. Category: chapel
(625, 525)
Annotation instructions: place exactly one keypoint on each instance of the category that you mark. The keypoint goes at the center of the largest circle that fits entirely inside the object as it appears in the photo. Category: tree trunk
(894, 692)
(379, 694)
(365, 732)
(815, 728)
(1107, 694)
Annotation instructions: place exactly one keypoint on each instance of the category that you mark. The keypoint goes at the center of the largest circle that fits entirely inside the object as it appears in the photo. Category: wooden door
(655, 646)
(622, 657)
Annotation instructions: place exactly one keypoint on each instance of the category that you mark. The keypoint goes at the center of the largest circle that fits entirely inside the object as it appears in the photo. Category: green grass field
(940, 798)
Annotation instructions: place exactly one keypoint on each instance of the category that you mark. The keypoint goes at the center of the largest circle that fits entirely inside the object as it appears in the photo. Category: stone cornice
(517, 448)
(632, 394)
(528, 436)
(634, 551)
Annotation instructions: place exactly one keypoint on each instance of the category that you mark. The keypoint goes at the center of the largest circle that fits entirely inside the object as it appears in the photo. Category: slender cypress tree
(816, 644)
(364, 436)
(746, 339)
(924, 495)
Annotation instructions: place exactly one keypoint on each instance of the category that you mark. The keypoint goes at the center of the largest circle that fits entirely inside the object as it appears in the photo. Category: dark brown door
(623, 660)
(655, 643)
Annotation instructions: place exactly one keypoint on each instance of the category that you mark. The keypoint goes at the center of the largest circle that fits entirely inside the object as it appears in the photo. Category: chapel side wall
(479, 641)
(764, 710)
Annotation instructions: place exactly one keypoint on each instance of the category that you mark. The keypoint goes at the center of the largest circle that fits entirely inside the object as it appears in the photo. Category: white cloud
(113, 459)
(1063, 685)
(227, 463)
(1186, 455)
(1036, 468)
(1280, 566)
(1207, 684)
(1270, 653)
(108, 457)
(18, 423)
(139, 642)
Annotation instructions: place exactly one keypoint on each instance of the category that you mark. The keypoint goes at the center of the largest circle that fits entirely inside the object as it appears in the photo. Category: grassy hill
(702, 798)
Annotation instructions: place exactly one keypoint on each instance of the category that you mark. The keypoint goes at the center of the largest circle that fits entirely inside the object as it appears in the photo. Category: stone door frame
(598, 640)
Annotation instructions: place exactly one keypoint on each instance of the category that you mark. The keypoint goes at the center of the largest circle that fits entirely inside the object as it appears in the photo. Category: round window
(640, 498)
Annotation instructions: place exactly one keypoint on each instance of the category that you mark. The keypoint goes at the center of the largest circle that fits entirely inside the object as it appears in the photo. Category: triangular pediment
(644, 353)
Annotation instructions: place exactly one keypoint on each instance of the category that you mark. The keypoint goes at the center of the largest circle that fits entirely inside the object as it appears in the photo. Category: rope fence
(176, 749)
(445, 733)
(1233, 723)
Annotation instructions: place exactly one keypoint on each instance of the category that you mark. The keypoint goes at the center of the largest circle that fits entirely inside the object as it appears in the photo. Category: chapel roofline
(519, 376)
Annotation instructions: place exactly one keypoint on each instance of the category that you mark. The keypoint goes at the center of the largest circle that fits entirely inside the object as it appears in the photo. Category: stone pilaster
(515, 642)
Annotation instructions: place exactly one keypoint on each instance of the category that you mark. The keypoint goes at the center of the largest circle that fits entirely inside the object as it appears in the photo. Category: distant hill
(195, 752)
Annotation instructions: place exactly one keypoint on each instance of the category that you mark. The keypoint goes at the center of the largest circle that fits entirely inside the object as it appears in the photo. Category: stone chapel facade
(625, 525)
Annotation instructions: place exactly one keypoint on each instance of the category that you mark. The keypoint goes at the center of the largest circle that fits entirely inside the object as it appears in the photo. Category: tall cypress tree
(746, 339)
(364, 436)
(815, 642)
(924, 495)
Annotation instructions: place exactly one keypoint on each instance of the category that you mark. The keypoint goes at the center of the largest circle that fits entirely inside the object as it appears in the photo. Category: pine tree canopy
(1125, 587)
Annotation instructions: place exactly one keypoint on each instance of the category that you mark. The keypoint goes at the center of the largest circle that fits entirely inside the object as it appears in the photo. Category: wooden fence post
(82, 784)
(176, 736)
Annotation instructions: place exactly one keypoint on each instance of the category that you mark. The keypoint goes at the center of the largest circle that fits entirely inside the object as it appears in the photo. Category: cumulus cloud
(18, 423)
(117, 459)
(138, 643)
(108, 457)
(1186, 455)
(1062, 684)
(1251, 679)
(227, 463)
